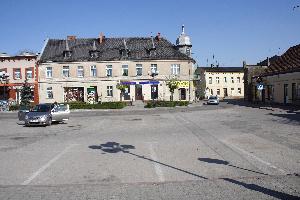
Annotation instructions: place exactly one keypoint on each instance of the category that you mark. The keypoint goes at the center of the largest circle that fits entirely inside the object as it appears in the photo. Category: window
(80, 72)
(139, 69)
(48, 72)
(108, 70)
(66, 71)
(210, 80)
(217, 80)
(232, 80)
(29, 73)
(49, 93)
(110, 91)
(94, 71)
(17, 73)
(239, 90)
(175, 69)
(218, 91)
(238, 79)
(124, 70)
(225, 79)
(153, 68)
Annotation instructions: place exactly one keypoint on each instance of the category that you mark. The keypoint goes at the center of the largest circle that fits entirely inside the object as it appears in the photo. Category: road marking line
(48, 164)
(157, 167)
(257, 158)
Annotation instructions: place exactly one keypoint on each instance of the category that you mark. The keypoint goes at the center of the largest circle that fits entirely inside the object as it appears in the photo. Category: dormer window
(67, 54)
(124, 53)
(94, 54)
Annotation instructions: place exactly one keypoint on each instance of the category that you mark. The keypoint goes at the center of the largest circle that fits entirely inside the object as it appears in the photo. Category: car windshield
(212, 97)
(41, 108)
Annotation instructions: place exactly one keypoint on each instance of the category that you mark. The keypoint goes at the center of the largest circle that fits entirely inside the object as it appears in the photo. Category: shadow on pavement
(254, 187)
(293, 112)
(223, 162)
(114, 147)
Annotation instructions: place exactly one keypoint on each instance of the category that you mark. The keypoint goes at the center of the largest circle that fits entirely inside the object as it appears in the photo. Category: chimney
(158, 36)
(71, 37)
(101, 38)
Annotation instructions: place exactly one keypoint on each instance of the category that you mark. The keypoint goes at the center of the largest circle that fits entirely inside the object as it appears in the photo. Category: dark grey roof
(109, 50)
(219, 69)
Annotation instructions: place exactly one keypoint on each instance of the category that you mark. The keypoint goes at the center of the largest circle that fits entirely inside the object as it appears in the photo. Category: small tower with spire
(183, 43)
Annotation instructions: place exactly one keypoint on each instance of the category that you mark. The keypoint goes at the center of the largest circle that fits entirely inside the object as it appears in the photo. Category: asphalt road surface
(209, 152)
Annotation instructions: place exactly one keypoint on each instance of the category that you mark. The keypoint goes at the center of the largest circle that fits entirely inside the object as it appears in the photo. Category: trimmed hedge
(14, 107)
(154, 104)
(103, 105)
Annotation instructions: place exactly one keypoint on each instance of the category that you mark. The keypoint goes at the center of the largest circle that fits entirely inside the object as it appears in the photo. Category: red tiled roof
(287, 62)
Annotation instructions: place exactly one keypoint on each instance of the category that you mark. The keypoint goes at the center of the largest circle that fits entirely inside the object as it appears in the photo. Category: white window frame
(49, 72)
(124, 68)
(238, 80)
(209, 80)
(217, 80)
(80, 71)
(153, 68)
(175, 69)
(27, 73)
(66, 69)
(17, 73)
(93, 71)
(109, 70)
(49, 92)
(137, 67)
(225, 79)
(109, 91)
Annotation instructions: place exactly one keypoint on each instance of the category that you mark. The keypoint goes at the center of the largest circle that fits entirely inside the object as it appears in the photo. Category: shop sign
(149, 82)
(183, 84)
(128, 83)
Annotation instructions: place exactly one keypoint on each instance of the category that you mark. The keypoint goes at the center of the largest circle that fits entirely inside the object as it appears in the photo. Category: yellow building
(225, 82)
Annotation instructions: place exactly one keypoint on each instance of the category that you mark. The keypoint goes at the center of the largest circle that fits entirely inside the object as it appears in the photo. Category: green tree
(26, 94)
(173, 85)
(122, 88)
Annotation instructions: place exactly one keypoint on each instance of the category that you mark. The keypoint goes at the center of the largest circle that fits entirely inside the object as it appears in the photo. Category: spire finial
(182, 29)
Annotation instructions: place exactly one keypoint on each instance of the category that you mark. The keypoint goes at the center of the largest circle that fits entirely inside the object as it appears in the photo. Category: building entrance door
(138, 92)
(182, 93)
(154, 91)
(285, 93)
(225, 92)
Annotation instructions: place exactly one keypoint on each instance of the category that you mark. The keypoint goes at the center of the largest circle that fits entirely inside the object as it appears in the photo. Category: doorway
(225, 92)
(285, 93)
(138, 92)
(182, 92)
(154, 91)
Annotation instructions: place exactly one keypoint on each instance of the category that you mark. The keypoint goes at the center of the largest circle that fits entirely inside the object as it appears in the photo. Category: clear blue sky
(232, 30)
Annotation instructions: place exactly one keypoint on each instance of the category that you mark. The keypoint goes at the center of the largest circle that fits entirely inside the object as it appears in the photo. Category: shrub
(14, 107)
(151, 104)
(103, 105)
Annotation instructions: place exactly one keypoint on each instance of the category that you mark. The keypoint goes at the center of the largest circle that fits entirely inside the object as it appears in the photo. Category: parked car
(213, 100)
(23, 110)
(45, 114)
(3, 105)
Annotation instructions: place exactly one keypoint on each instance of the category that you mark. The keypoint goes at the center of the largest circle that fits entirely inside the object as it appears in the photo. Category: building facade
(91, 70)
(225, 82)
(281, 79)
(17, 69)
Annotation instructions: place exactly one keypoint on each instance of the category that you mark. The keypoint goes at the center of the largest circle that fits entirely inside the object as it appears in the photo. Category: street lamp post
(153, 74)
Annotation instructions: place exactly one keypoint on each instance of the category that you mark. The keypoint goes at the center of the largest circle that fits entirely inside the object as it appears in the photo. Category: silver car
(213, 100)
(45, 114)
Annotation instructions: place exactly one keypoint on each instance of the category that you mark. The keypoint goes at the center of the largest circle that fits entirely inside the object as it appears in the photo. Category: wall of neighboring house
(57, 83)
(215, 87)
(278, 83)
(19, 68)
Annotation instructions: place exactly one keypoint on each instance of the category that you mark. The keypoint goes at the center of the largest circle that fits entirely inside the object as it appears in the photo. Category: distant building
(281, 79)
(90, 69)
(225, 82)
(17, 69)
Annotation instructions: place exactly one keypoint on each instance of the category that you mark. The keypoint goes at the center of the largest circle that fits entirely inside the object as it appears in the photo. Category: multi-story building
(90, 69)
(17, 69)
(225, 82)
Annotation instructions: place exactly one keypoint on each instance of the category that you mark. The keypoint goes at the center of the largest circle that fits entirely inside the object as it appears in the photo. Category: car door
(60, 112)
